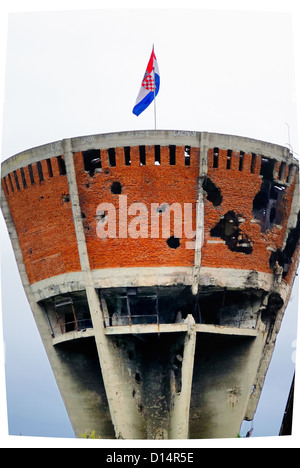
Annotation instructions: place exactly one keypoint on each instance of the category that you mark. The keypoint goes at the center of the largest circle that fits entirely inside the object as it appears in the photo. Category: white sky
(78, 72)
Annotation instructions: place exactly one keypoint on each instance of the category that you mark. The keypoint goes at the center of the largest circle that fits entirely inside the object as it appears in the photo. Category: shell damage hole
(173, 242)
(116, 188)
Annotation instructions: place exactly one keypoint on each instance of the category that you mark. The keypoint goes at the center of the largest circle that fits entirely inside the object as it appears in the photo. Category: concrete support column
(179, 421)
(122, 410)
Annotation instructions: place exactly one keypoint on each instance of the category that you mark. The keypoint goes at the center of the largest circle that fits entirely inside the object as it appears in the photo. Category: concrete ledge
(73, 335)
(178, 328)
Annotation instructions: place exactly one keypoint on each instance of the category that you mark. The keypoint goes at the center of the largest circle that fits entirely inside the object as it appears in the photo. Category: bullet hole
(213, 192)
(66, 198)
(29, 251)
(138, 378)
(162, 208)
(140, 408)
(83, 216)
(228, 230)
(173, 242)
(133, 393)
(87, 185)
(116, 188)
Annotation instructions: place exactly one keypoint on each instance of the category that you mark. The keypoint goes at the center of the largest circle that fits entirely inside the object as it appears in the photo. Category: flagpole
(154, 93)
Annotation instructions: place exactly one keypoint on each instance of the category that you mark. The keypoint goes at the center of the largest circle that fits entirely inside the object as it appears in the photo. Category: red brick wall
(43, 218)
(43, 221)
(144, 184)
(238, 188)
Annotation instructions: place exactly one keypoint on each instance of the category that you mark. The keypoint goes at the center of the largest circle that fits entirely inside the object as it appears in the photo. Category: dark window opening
(142, 151)
(50, 172)
(172, 149)
(216, 158)
(253, 162)
(17, 180)
(116, 188)
(213, 192)
(10, 183)
(241, 162)
(228, 164)
(40, 171)
(157, 155)
(23, 177)
(267, 168)
(173, 242)
(31, 174)
(112, 157)
(61, 165)
(67, 312)
(91, 160)
(228, 229)
(138, 378)
(187, 155)
(127, 155)
(282, 168)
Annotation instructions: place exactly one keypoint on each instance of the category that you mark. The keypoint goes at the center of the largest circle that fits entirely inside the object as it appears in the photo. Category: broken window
(67, 312)
(228, 229)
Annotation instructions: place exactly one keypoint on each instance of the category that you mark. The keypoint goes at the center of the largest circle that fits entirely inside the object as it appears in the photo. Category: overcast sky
(72, 73)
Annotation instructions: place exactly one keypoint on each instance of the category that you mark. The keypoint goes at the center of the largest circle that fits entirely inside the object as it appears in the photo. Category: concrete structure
(156, 326)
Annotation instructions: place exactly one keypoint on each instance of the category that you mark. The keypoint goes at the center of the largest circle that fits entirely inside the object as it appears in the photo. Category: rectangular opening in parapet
(241, 161)
(187, 155)
(17, 180)
(267, 168)
(282, 169)
(31, 174)
(112, 157)
(142, 151)
(23, 177)
(157, 155)
(91, 160)
(127, 155)
(49, 166)
(40, 171)
(172, 149)
(253, 162)
(61, 165)
(10, 182)
(228, 164)
(216, 158)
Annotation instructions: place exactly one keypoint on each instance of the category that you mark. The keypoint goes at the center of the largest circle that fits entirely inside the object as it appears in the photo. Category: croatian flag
(150, 86)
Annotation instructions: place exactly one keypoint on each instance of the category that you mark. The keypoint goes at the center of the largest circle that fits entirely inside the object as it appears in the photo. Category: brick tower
(158, 266)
